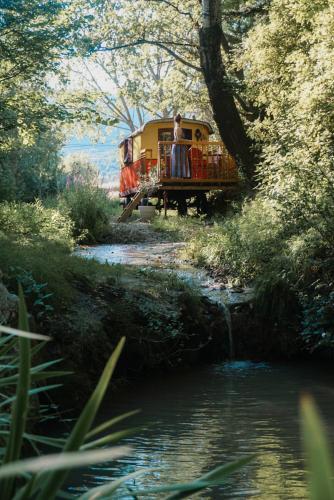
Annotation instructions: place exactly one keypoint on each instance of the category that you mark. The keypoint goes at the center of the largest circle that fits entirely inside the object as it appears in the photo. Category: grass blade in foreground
(109, 423)
(53, 481)
(318, 455)
(100, 492)
(20, 405)
(213, 478)
(62, 461)
(22, 333)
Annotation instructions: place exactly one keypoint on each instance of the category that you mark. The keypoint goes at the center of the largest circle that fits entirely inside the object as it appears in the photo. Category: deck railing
(198, 161)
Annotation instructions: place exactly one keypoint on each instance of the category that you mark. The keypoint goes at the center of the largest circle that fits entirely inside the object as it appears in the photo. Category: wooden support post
(165, 202)
(158, 205)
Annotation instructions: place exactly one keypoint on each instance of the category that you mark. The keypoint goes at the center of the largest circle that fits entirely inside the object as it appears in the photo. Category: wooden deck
(209, 163)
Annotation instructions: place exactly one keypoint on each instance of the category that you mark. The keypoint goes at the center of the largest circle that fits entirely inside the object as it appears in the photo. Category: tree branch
(170, 4)
(143, 41)
(249, 11)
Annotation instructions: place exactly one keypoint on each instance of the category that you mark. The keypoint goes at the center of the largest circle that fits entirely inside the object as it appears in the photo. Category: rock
(8, 305)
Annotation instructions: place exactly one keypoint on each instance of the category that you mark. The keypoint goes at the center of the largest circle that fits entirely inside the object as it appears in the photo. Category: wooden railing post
(209, 160)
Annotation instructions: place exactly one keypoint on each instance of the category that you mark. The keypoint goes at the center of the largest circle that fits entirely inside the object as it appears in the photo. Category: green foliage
(90, 210)
(176, 228)
(243, 243)
(35, 37)
(43, 479)
(317, 324)
(79, 170)
(37, 169)
(318, 454)
(32, 220)
(36, 294)
(157, 304)
(61, 273)
(289, 74)
(288, 56)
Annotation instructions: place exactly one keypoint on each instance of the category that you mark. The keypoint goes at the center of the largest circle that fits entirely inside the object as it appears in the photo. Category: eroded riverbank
(246, 337)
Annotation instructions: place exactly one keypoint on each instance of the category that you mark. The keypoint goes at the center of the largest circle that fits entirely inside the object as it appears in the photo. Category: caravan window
(165, 134)
(187, 134)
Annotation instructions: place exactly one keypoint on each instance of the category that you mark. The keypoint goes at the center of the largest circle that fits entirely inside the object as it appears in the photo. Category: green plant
(318, 455)
(241, 244)
(33, 221)
(43, 477)
(90, 210)
(317, 323)
(36, 293)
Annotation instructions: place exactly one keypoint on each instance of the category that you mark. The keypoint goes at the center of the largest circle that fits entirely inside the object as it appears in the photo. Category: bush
(318, 328)
(243, 243)
(33, 220)
(90, 210)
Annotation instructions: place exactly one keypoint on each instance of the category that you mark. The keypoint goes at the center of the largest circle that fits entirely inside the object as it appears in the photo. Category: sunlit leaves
(290, 61)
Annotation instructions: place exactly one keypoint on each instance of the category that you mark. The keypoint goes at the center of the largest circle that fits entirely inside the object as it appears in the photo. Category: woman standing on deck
(180, 164)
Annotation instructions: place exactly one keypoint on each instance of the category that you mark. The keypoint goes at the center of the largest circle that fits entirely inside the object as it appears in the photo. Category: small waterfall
(224, 308)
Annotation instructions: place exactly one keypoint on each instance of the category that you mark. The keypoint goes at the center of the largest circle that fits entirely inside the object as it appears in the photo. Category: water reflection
(195, 421)
(138, 254)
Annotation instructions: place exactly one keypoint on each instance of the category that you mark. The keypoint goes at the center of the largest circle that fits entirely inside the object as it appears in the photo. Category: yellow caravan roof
(164, 120)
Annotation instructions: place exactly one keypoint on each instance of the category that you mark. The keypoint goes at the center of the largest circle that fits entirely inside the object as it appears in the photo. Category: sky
(98, 144)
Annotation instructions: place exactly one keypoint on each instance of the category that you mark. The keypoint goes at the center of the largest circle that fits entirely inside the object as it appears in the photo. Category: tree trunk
(225, 112)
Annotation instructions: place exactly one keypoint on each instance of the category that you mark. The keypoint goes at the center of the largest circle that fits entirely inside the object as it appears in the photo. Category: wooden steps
(131, 206)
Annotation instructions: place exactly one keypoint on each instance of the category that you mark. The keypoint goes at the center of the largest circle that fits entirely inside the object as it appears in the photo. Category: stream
(164, 256)
(196, 420)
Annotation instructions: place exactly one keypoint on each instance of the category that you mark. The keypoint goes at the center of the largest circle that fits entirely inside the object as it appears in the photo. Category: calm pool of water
(198, 420)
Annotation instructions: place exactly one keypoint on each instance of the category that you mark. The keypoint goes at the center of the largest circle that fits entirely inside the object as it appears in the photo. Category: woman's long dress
(180, 163)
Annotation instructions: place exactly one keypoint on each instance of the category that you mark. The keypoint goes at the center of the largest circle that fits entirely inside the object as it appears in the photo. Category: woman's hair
(177, 118)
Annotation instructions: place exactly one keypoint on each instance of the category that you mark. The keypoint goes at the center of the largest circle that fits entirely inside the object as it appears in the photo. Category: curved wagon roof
(166, 120)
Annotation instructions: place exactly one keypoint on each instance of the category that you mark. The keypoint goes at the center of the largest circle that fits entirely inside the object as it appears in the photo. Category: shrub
(33, 220)
(243, 243)
(318, 329)
(90, 210)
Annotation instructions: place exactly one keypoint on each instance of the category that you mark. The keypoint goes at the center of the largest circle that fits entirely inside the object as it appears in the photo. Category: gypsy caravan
(147, 166)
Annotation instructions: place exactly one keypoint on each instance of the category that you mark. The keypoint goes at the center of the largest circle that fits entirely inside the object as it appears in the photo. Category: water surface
(165, 256)
(194, 421)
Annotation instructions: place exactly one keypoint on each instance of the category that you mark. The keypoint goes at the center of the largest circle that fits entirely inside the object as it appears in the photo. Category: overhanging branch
(143, 41)
(249, 11)
(175, 7)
